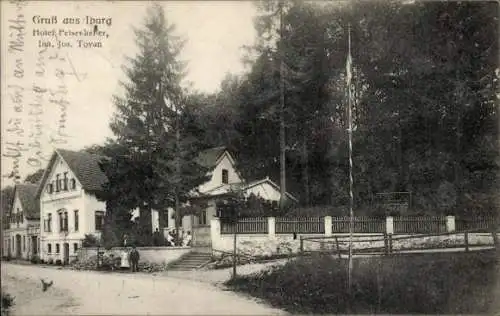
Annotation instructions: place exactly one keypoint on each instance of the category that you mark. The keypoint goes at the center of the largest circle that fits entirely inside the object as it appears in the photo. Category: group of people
(130, 259)
(173, 239)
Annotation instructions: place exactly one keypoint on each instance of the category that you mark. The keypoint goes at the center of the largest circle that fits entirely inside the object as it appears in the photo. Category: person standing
(134, 259)
(187, 239)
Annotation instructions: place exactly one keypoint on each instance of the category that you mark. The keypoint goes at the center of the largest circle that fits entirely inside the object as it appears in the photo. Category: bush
(50, 261)
(7, 303)
(90, 241)
(59, 262)
(35, 259)
(424, 283)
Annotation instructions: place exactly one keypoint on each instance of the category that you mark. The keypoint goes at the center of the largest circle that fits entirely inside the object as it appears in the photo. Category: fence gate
(202, 237)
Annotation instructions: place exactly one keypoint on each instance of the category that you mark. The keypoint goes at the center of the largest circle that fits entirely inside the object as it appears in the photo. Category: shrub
(35, 259)
(90, 241)
(424, 283)
(59, 262)
(7, 303)
(50, 261)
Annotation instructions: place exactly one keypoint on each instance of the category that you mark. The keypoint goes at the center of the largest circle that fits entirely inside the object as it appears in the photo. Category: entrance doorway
(66, 253)
(34, 245)
(18, 246)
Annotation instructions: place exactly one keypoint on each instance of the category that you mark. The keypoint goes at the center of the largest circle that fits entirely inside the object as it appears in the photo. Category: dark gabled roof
(29, 202)
(84, 165)
(208, 158)
(86, 168)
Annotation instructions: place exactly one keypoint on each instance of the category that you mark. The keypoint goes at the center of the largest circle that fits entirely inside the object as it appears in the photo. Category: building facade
(69, 209)
(22, 238)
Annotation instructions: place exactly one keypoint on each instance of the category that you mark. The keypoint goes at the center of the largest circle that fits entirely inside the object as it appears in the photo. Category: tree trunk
(178, 218)
(282, 118)
(305, 169)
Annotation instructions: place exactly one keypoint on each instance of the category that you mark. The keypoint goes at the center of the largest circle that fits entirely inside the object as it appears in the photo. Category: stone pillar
(271, 223)
(389, 225)
(328, 226)
(450, 224)
(215, 232)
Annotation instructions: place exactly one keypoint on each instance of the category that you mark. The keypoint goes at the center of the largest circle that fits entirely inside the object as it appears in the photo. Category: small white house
(225, 178)
(69, 207)
(21, 239)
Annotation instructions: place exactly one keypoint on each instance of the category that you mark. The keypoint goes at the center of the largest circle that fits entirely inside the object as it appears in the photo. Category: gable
(225, 164)
(84, 168)
(267, 190)
(60, 179)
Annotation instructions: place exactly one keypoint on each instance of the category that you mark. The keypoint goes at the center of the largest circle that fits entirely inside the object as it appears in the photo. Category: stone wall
(147, 254)
(272, 243)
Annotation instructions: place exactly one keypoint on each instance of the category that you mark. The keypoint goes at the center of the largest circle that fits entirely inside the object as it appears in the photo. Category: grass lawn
(434, 283)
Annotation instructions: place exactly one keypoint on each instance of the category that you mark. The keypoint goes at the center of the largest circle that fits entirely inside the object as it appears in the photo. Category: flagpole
(349, 130)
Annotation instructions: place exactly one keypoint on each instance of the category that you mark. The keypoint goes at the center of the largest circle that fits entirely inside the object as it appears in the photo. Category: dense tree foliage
(425, 108)
(35, 177)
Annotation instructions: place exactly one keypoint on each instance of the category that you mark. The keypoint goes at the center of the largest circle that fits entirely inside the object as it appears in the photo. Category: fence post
(450, 224)
(338, 247)
(389, 231)
(389, 225)
(328, 226)
(271, 229)
(215, 232)
(301, 245)
(466, 240)
(386, 243)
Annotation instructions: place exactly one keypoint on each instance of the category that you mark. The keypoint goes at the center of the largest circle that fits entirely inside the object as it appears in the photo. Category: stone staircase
(191, 261)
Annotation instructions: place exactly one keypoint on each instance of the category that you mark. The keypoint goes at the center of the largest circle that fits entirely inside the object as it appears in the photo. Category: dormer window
(50, 188)
(225, 176)
(65, 182)
(58, 183)
(72, 183)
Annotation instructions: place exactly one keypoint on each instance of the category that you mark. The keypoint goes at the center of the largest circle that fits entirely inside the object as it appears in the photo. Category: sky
(62, 97)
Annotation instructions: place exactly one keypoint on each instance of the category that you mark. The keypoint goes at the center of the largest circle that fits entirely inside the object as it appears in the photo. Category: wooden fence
(304, 225)
(419, 225)
(462, 224)
(362, 224)
(249, 225)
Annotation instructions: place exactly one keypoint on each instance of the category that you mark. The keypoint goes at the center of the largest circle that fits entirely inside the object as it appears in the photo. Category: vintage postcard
(249, 157)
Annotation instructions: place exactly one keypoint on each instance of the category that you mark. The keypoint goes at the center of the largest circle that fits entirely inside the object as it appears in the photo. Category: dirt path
(78, 292)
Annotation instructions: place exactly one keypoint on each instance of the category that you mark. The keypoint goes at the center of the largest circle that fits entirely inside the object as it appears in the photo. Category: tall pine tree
(155, 136)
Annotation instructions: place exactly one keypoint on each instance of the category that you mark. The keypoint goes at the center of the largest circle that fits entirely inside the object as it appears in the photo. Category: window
(75, 247)
(73, 184)
(65, 182)
(63, 221)
(77, 224)
(50, 188)
(203, 218)
(24, 243)
(58, 248)
(58, 183)
(21, 217)
(225, 176)
(99, 220)
(49, 248)
(48, 227)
